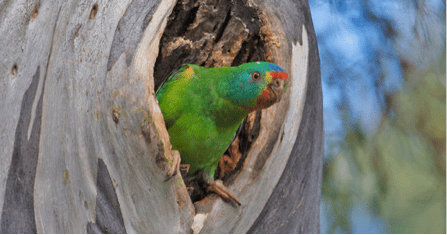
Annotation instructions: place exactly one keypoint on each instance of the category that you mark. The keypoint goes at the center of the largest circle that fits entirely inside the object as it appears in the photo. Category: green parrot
(204, 107)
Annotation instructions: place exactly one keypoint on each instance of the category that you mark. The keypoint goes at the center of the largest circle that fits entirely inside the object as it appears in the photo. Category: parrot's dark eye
(256, 76)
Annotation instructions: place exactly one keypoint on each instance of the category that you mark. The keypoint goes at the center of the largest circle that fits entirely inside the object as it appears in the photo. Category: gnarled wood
(83, 142)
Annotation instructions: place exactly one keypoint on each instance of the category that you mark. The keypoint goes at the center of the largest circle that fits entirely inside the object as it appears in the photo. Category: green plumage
(203, 108)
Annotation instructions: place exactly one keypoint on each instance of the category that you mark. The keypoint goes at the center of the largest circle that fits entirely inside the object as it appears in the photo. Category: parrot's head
(256, 85)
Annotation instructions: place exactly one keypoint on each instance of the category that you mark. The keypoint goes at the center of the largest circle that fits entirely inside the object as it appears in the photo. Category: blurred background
(384, 98)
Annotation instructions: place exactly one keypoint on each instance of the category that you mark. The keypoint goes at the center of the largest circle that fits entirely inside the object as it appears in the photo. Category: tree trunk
(83, 143)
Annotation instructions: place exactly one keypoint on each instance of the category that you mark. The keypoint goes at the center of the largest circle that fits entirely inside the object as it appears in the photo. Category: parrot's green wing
(172, 77)
(174, 111)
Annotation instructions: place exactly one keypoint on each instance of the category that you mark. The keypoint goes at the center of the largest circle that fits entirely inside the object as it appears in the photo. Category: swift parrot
(204, 107)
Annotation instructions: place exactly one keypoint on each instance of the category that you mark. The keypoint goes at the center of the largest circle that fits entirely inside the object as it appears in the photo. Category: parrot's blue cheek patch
(275, 67)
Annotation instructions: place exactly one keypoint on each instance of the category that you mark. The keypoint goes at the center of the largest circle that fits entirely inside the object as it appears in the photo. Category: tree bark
(83, 143)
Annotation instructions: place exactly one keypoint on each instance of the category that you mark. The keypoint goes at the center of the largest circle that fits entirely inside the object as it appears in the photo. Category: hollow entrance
(213, 33)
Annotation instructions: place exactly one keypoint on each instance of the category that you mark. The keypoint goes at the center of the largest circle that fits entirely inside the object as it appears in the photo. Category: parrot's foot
(184, 168)
(174, 164)
(218, 187)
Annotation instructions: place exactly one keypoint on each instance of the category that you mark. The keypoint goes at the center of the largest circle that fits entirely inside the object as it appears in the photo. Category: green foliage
(400, 171)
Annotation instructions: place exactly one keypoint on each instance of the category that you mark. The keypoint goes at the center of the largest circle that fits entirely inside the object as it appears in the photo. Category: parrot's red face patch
(272, 94)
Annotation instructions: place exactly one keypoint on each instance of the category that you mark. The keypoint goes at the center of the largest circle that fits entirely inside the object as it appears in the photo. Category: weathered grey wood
(83, 142)
(66, 46)
(294, 205)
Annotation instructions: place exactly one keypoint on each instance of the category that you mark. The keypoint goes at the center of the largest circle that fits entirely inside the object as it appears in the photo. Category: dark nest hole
(212, 33)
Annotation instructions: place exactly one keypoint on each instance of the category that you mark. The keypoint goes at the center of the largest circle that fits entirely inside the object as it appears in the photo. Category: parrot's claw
(218, 187)
(184, 168)
(174, 164)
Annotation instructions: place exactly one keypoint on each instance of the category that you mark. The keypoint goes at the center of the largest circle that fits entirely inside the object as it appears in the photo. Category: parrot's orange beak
(278, 84)
(277, 88)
